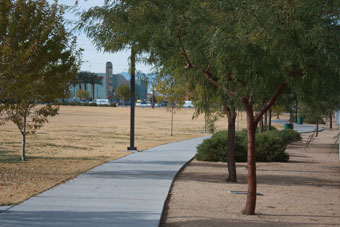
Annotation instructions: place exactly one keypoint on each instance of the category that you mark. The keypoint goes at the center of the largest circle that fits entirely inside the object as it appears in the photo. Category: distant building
(141, 85)
(110, 82)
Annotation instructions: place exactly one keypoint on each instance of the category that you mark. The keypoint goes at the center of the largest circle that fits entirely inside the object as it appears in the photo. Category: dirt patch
(80, 138)
(302, 192)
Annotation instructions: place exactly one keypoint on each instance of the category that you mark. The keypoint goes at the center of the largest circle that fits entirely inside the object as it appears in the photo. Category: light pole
(132, 100)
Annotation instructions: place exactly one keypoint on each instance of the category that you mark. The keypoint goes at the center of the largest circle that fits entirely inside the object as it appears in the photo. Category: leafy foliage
(37, 63)
(83, 95)
(250, 50)
(288, 135)
(123, 92)
(169, 89)
(270, 146)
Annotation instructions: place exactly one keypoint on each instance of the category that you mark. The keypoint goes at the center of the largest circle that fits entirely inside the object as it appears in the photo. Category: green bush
(214, 149)
(113, 105)
(309, 120)
(92, 104)
(270, 146)
(265, 128)
(289, 135)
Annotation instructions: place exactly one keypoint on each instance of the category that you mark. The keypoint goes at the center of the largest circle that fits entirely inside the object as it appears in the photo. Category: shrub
(309, 120)
(113, 105)
(289, 135)
(270, 146)
(92, 104)
(214, 149)
(265, 128)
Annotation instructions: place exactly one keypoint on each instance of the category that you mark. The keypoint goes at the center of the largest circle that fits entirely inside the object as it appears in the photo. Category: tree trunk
(23, 144)
(330, 115)
(231, 115)
(172, 120)
(251, 164)
(261, 126)
(232, 176)
(85, 86)
(266, 118)
(270, 120)
(317, 128)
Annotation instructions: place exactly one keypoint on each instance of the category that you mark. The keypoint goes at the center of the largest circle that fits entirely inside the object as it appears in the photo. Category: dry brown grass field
(80, 138)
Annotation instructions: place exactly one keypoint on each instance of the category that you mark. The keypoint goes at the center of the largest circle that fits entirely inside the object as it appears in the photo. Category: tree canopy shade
(248, 50)
(38, 61)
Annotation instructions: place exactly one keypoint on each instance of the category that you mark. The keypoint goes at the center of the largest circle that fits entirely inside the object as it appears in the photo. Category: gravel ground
(302, 192)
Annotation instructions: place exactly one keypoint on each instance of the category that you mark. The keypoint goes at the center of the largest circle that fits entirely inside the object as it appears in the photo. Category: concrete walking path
(297, 127)
(130, 191)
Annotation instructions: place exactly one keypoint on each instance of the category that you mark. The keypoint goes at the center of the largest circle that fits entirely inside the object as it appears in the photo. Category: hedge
(270, 146)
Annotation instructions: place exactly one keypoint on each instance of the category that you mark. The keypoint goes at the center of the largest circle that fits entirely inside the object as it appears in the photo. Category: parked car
(188, 104)
(101, 101)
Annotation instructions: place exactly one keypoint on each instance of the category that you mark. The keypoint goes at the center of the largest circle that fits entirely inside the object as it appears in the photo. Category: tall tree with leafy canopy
(117, 25)
(208, 101)
(37, 63)
(250, 50)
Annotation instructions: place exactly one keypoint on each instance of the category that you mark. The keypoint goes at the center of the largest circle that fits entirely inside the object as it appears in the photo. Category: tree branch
(184, 53)
(208, 75)
(270, 102)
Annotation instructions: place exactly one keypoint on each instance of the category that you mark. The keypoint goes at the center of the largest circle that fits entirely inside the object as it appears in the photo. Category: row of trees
(85, 78)
(239, 54)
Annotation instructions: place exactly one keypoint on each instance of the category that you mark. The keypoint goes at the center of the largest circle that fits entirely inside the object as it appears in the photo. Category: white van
(102, 101)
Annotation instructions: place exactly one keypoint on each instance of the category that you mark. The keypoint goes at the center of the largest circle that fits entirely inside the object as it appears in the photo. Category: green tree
(172, 91)
(85, 77)
(83, 94)
(37, 63)
(124, 19)
(208, 101)
(123, 92)
(249, 50)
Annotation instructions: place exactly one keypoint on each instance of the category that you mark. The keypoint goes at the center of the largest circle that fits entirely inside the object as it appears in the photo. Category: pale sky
(95, 61)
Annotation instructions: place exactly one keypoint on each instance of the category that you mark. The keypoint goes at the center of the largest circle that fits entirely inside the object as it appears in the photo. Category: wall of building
(110, 84)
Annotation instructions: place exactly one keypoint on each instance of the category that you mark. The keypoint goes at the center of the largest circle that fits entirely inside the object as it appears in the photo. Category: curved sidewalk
(297, 127)
(130, 191)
